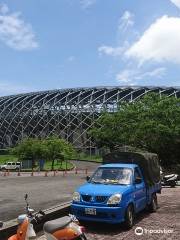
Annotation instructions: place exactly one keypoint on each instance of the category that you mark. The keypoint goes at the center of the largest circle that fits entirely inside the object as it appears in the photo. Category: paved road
(85, 165)
(167, 218)
(44, 192)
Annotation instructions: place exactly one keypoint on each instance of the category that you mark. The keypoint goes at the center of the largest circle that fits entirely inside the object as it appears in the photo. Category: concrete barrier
(81, 170)
(10, 227)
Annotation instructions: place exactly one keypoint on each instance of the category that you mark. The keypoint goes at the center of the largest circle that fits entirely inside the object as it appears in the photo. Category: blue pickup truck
(124, 185)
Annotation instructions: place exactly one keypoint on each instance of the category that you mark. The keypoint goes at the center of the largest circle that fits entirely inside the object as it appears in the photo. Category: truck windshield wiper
(113, 183)
(96, 182)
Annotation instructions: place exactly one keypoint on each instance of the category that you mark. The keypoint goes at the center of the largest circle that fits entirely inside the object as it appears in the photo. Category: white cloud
(160, 42)
(7, 88)
(176, 2)
(129, 76)
(113, 51)
(87, 3)
(14, 31)
(126, 21)
(71, 58)
(126, 76)
(4, 8)
(156, 73)
(110, 51)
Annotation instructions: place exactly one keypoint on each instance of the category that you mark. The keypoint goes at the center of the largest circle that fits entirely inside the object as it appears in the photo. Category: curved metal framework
(68, 113)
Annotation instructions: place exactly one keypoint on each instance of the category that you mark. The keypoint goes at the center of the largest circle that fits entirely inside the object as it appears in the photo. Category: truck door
(140, 190)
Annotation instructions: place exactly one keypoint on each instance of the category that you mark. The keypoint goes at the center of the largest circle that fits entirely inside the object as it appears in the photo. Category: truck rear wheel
(154, 204)
(81, 237)
(173, 184)
(129, 217)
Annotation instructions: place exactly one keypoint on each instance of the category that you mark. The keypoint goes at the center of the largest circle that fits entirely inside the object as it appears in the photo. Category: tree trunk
(52, 166)
(33, 163)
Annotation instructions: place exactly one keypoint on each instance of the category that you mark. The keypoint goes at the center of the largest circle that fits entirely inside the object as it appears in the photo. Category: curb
(10, 227)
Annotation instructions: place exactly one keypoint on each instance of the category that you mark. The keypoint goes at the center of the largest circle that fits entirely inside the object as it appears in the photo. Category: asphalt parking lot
(162, 225)
(44, 192)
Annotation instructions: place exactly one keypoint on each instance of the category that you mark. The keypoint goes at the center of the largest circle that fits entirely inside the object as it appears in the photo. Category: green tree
(50, 149)
(151, 123)
(55, 148)
(29, 148)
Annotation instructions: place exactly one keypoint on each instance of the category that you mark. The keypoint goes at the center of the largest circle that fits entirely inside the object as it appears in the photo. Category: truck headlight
(114, 199)
(76, 197)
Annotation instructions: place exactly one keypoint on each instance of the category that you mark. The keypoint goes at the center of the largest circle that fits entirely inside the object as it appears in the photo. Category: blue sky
(79, 43)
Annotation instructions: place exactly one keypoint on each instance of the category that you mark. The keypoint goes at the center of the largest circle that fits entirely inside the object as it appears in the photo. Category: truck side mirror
(87, 178)
(138, 180)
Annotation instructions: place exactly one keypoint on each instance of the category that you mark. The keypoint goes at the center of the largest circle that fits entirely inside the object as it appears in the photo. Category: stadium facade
(68, 113)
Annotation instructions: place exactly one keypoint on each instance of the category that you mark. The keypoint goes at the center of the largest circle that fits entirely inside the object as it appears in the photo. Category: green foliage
(4, 151)
(58, 165)
(28, 149)
(7, 158)
(50, 149)
(151, 123)
(56, 148)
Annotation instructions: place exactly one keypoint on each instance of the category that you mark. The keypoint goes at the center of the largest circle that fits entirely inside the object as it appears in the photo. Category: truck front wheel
(129, 217)
(154, 204)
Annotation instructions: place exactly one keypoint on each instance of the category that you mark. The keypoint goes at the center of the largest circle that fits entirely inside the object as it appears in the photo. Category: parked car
(11, 166)
(170, 180)
(126, 184)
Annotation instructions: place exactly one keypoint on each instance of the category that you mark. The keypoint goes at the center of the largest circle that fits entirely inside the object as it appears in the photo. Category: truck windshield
(112, 176)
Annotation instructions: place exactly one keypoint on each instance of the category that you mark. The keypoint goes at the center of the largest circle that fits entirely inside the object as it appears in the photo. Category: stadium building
(68, 113)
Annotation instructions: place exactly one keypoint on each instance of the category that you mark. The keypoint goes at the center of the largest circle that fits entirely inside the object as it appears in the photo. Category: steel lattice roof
(69, 113)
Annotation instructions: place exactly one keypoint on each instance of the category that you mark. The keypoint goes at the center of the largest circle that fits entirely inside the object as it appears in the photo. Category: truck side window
(137, 176)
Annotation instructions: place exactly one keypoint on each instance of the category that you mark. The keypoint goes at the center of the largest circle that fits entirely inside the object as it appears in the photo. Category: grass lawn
(57, 165)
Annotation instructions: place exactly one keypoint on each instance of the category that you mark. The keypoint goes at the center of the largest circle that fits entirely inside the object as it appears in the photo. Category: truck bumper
(103, 214)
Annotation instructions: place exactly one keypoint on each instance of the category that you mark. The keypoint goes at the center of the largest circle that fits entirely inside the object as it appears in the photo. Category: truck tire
(1, 224)
(173, 184)
(83, 237)
(154, 204)
(129, 217)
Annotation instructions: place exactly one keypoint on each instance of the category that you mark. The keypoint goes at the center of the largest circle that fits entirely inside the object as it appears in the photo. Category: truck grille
(98, 199)
(86, 198)
(101, 199)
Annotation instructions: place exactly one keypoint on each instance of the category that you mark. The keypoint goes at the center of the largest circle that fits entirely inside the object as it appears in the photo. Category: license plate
(90, 211)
